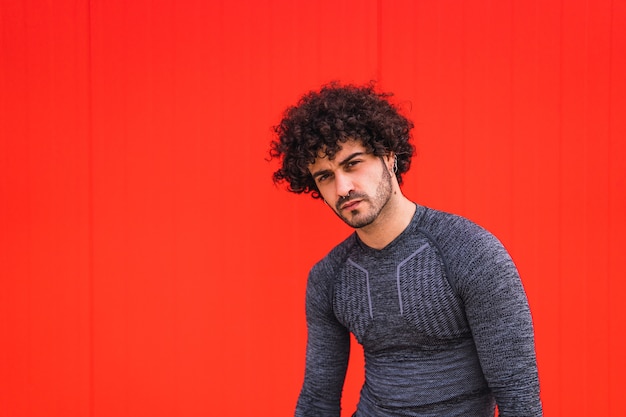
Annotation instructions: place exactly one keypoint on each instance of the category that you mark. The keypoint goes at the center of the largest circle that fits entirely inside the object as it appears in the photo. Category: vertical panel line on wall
(560, 205)
(379, 41)
(90, 207)
(609, 216)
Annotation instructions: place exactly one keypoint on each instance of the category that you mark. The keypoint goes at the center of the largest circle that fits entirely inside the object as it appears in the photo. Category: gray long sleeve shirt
(442, 317)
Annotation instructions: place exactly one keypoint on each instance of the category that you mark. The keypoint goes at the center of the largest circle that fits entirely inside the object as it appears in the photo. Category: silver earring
(395, 164)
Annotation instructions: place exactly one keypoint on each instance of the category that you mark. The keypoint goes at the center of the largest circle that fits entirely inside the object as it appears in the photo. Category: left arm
(499, 316)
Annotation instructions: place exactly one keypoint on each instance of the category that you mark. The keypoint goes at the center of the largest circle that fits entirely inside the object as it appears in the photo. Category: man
(435, 300)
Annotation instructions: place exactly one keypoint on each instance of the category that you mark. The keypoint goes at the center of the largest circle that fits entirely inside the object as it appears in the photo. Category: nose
(343, 185)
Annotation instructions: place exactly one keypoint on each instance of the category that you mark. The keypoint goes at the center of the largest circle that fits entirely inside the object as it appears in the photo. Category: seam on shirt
(367, 282)
(449, 277)
(400, 265)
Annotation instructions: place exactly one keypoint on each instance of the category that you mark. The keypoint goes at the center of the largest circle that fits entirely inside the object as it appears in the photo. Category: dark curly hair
(322, 121)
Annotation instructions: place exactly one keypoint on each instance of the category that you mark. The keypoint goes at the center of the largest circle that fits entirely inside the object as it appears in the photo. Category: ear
(391, 161)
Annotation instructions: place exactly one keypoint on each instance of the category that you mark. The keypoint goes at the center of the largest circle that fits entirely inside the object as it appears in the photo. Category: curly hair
(322, 121)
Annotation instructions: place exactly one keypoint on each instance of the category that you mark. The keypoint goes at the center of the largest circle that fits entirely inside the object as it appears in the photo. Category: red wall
(149, 267)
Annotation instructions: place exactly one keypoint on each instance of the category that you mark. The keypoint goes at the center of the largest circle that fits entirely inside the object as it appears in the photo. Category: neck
(392, 221)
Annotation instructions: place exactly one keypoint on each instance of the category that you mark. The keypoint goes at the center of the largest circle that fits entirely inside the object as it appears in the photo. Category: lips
(350, 205)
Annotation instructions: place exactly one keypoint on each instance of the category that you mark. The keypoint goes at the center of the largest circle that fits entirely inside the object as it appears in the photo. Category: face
(357, 185)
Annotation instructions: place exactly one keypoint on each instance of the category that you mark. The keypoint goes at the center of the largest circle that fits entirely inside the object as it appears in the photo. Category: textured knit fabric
(442, 317)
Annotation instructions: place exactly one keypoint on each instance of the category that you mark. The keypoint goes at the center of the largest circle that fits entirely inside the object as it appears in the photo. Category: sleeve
(498, 313)
(327, 352)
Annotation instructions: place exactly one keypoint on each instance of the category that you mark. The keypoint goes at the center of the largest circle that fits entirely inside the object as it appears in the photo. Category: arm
(327, 352)
(499, 316)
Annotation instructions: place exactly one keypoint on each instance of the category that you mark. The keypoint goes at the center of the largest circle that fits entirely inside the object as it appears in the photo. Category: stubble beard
(377, 203)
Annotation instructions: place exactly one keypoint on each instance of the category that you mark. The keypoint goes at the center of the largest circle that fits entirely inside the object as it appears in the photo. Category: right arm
(327, 351)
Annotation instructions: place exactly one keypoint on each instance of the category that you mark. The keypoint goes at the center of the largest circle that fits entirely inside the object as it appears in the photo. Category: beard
(361, 217)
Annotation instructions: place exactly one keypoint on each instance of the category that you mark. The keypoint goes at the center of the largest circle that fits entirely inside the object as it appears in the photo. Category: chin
(359, 221)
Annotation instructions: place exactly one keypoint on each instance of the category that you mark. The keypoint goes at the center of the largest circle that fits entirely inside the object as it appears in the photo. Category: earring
(395, 164)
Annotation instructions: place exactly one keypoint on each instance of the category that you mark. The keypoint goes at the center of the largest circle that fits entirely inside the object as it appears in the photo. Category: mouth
(350, 205)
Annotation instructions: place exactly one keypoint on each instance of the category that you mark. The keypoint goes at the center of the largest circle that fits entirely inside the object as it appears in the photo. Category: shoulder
(456, 232)
(470, 252)
(444, 223)
(322, 277)
(329, 265)
(323, 274)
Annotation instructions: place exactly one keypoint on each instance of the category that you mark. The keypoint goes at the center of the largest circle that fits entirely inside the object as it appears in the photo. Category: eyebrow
(342, 163)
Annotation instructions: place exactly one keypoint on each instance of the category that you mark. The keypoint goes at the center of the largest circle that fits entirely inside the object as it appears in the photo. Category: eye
(322, 178)
(352, 163)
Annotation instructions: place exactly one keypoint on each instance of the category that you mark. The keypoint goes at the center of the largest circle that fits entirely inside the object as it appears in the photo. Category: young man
(435, 300)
